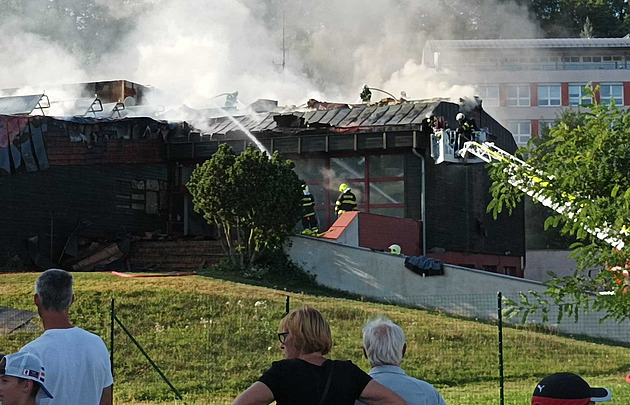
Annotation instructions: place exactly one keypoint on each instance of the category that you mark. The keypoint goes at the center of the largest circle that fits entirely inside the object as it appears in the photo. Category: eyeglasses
(282, 337)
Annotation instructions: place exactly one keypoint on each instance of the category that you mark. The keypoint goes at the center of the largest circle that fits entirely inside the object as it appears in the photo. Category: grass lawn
(213, 338)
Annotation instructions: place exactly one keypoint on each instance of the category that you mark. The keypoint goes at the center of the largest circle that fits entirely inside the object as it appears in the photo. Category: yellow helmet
(394, 249)
(343, 187)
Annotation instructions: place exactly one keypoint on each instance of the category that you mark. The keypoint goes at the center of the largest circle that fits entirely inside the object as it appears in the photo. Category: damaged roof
(361, 116)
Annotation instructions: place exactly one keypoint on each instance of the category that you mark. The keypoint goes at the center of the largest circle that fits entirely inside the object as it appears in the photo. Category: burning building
(382, 151)
(126, 173)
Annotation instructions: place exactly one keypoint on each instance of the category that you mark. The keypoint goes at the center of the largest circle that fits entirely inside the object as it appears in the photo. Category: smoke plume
(196, 49)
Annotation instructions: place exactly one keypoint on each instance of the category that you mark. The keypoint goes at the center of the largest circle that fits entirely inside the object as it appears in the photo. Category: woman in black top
(306, 377)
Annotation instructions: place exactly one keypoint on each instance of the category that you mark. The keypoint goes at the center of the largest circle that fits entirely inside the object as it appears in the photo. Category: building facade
(383, 153)
(526, 83)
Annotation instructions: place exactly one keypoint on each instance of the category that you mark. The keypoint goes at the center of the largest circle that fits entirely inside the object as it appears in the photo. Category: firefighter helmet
(460, 117)
(394, 249)
(343, 187)
(305, 189)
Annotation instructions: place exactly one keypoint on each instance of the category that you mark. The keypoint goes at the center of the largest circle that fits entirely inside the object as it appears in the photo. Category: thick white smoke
(196, 49)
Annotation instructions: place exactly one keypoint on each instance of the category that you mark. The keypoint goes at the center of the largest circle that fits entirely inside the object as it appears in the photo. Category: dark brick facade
(108, 196)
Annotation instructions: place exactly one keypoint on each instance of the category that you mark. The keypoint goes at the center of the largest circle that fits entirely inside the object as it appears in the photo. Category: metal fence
(208, 348)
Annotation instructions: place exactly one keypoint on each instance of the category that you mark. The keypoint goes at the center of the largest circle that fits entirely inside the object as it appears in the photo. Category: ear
(26, 386)
(404, 349)
(37, 300)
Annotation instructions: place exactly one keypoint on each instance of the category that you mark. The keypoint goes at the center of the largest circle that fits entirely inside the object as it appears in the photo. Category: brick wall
(378, 232)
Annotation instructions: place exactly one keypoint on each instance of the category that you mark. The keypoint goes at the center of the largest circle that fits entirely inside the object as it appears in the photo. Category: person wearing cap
(568, 388)
(22, 379)
(78, 369)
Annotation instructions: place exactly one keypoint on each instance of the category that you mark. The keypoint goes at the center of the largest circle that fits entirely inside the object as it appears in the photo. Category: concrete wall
(539, 262)
(460, 291)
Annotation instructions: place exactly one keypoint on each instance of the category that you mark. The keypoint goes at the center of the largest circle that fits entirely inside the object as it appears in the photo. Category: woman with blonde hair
(306, 377)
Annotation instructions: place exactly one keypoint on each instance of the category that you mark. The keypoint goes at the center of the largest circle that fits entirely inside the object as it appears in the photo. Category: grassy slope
(213, 338)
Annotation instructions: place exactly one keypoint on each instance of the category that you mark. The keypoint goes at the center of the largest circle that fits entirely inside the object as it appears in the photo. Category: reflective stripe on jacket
(347, 201)
(308, 205)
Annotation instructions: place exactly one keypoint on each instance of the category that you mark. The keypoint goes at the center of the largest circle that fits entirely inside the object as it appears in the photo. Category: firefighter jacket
(347, 201)
(308, 205)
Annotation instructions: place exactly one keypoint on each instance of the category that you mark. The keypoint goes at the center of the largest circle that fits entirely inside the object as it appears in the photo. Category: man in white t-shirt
(77, 363)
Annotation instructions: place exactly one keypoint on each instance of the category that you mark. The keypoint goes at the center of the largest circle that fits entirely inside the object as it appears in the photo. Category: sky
(194, 50)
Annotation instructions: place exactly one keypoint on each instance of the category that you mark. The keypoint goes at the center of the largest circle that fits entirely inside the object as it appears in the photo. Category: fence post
(112, 313)
(146, 355)
(500, 326)
(286, 305)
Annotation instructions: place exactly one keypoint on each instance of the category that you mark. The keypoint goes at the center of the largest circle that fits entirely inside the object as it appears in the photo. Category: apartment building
(525, 83)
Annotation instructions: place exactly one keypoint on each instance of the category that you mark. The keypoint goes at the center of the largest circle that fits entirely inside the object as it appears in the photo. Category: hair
(34, 388)
(309, 330)
(54, 288)
(383, 342)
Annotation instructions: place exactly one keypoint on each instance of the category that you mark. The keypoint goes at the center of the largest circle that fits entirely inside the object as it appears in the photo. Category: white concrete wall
(539, 262)
(461, 291)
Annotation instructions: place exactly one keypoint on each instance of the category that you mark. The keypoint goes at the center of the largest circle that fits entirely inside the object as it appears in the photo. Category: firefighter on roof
(347, 201)
(309, 219)
(366, 95)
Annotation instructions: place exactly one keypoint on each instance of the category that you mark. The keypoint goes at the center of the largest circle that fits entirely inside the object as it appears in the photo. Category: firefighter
(394, 249)
(309, 219)
(346, 201)
(366, 95)
(464, 130)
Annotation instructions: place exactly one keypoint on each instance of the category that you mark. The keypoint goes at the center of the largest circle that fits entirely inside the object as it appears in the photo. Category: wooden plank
(12, 319)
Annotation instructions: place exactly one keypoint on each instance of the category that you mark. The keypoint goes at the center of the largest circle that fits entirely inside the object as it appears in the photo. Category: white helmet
(460, 116)
(394, 249)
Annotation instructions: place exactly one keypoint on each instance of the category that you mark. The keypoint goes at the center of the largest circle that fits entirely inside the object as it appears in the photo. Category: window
(489, 95)
(348, 167)
(389, 192)
(611, 91)
(521, 130)
(310, 169)
(518, 95)
(549, 95)
(578, 96)
(386, 166)
(545, 126)
(376, 180)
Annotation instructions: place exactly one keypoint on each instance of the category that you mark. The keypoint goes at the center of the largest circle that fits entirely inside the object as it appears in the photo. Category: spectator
(22, 377)
(384, 346)
(568, 388)
(306, 376)
(78, 370)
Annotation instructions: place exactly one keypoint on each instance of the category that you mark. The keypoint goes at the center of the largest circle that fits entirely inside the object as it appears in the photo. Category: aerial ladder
(529, 180)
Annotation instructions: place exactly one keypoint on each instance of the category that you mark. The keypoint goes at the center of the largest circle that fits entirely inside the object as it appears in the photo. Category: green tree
(566, 18)
(584, 161)
(253, 199)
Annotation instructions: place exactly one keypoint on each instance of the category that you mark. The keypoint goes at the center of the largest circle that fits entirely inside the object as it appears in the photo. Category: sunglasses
(282, 337)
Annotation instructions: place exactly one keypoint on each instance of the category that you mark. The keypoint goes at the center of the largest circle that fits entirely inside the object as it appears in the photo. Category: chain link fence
(208, 348)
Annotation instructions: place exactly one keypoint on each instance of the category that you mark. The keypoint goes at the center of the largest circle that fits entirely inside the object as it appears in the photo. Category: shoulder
(346, 366)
